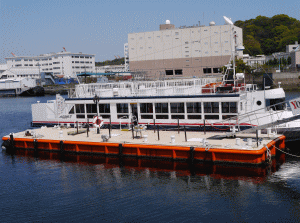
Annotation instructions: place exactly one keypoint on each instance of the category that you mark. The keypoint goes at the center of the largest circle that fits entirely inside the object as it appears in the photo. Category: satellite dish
(228, 20)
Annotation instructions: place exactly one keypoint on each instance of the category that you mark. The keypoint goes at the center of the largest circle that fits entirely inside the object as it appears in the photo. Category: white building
(185, 51)
(65, 64)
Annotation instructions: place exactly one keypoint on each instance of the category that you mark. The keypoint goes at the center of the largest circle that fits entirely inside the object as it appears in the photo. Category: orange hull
(155, 151)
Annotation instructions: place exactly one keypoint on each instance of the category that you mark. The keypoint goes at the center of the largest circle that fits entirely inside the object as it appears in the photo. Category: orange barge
(141, 149)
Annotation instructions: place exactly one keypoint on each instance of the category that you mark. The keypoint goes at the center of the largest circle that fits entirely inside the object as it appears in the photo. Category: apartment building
(65, 64)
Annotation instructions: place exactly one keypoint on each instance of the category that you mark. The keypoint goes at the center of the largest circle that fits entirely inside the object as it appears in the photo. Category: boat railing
(142, 88)
(257, 117)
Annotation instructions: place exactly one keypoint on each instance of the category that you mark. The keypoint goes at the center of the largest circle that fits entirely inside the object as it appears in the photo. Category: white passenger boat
(194, 103)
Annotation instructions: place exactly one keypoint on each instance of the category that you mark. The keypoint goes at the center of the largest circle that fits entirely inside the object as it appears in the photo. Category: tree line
(264, 35)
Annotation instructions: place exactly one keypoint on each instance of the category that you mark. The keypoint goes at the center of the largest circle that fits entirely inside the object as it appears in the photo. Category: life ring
(97, 121)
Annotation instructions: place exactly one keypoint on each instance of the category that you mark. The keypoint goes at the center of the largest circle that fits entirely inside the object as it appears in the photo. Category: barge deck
(166, 145)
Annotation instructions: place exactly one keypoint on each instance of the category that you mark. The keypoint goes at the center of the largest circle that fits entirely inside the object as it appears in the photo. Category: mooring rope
(287, 152)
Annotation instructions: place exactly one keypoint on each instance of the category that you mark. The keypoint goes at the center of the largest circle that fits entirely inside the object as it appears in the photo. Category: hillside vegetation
(117, 61)
(264, 35)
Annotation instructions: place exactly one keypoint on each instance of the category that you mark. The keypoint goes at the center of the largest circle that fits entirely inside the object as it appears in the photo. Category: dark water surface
(45, 187)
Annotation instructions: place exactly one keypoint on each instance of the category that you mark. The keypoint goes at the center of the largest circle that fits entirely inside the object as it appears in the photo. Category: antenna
(228, 20)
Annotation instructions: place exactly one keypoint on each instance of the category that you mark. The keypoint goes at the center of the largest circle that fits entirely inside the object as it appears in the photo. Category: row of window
(81, 62)
(87, 57)
(177, 34)
(81, 67)
(177, 110)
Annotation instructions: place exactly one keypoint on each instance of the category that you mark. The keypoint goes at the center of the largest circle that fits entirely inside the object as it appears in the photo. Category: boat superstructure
(194, 103)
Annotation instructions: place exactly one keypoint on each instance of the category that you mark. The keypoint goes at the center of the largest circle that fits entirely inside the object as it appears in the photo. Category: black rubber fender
(6, 145)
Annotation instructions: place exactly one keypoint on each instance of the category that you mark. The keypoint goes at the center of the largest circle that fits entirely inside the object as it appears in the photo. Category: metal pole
(158, 132)
(204, 126)
(77, 126)
(185, 134)
(178, 125)
(154, 125)
(87, 129)
(109, 127)
(257, 138)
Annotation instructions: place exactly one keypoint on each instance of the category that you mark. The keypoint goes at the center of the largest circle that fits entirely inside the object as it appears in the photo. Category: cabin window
(146, 108)
(161, 108)
(211, 116)
(71, 110)
(232, 117)
(80, 108)
(276, 104)
(193, 107)
(229, 107)
(177, 107)
(104, 108)
(122, 108)
(194, 116)
(91, 108)
(211, 107)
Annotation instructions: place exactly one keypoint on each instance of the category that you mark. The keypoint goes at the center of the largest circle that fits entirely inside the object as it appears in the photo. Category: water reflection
(118, 168)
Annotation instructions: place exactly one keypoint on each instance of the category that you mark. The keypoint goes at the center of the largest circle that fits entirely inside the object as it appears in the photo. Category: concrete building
(185, 51)
(292, 47)
(65, 64)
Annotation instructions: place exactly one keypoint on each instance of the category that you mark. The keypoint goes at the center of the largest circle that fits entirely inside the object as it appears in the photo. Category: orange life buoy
(97, 122)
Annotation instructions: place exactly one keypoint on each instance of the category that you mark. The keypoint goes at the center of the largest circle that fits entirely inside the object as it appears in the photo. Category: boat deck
(170, 145)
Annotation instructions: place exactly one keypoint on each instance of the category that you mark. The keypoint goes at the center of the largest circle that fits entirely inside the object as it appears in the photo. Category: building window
(150, 47)
(186, 42)
(169, 72)
(178, 72)
(207, 70)
(141, 48)
(216, 70)
(149, 37)
(176, 33)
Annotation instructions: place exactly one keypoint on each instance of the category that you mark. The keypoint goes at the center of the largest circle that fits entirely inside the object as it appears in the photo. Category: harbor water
(46, 187)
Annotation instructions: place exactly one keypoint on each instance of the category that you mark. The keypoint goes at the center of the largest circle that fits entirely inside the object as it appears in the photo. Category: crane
(13, 54)
(116, 57)
(119, 57)
(65, 49)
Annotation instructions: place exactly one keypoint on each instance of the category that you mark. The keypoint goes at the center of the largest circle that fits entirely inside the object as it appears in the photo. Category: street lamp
(96, 99)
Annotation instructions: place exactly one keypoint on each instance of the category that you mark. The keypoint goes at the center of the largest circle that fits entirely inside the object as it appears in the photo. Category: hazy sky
(33, 27)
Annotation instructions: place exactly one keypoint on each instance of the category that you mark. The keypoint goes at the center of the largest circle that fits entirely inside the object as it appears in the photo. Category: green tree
(252, 46)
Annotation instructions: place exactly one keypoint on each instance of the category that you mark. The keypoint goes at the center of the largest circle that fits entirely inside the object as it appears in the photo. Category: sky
(34, 27)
